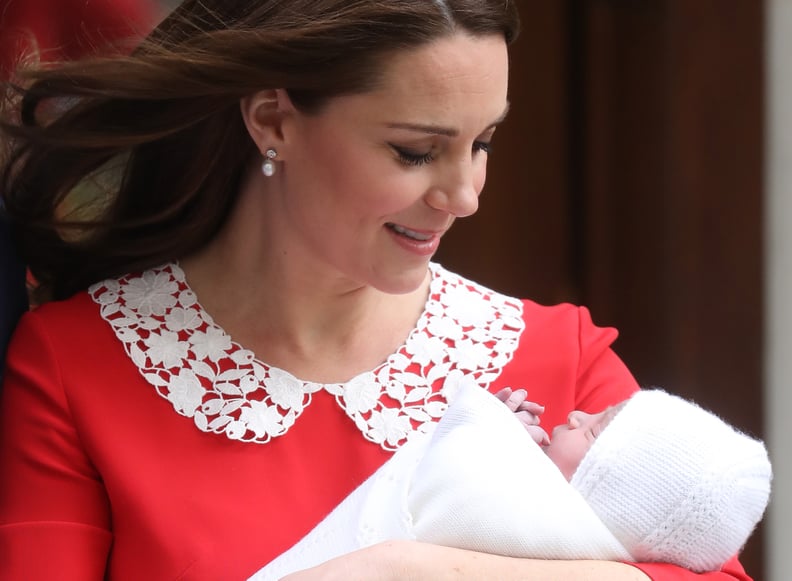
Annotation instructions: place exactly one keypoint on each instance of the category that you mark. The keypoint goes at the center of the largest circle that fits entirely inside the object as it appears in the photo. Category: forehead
(457, 79)
(459, 62)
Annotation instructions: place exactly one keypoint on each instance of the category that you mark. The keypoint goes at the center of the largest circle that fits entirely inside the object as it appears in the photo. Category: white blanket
(477, 482)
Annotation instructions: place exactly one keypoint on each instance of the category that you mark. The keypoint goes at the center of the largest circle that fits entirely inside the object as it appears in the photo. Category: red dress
(136, 444)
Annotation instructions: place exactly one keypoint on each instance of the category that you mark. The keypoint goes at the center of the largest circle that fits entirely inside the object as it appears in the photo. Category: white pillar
(778, 294)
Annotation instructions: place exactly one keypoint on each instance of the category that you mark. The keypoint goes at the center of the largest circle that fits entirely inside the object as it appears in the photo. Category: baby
(655, 478)
(673, 482)
(571, 441)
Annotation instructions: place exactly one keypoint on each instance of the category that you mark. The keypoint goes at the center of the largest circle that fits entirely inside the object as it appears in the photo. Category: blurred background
(645, 172)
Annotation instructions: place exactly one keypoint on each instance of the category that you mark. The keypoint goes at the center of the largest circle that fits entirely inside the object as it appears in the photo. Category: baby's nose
(575, 418)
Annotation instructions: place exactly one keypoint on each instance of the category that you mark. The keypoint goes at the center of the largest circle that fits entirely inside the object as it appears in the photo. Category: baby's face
(572, 440)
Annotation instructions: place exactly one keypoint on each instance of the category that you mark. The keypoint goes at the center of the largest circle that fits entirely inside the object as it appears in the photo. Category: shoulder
(567, 362)
(563, 321)
(562, 336)
(70, 329)
(72, 314)
(564, 359)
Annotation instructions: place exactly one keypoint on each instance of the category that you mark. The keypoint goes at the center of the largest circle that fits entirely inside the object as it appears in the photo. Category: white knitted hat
(674, 483)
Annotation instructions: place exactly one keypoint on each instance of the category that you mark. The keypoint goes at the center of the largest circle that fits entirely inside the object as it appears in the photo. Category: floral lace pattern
(466, 333)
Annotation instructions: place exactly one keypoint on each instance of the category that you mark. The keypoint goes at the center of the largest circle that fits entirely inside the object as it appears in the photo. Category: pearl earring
(268, 167)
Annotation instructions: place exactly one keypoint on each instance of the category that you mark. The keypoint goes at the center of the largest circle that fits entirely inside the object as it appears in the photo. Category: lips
(412, 234)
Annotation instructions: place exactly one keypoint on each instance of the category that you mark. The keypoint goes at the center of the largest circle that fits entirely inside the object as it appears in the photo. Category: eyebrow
(444, 131)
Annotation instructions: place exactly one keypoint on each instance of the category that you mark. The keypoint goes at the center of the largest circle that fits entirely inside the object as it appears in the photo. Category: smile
(419, 236)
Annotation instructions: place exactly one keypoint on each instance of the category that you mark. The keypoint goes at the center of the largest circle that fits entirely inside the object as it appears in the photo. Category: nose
(575, 418)
(457, 190)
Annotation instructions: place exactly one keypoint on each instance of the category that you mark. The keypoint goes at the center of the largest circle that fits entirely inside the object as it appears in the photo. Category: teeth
(411, 234)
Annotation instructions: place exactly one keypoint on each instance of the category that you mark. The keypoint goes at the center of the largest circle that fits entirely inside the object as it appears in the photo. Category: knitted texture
(674, 483)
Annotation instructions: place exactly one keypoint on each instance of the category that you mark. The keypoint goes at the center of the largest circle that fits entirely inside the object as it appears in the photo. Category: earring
(268, 167)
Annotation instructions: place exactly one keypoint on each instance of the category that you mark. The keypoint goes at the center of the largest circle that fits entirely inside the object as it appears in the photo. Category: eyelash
(413, 159)
(484, 146)
(417, 159)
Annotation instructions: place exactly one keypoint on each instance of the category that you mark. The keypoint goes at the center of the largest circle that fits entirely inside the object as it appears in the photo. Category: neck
(316, 330)
(293, 313)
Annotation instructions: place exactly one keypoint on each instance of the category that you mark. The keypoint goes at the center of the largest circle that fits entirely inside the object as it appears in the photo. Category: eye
(595, 430)
(484, 146)
(412, 158)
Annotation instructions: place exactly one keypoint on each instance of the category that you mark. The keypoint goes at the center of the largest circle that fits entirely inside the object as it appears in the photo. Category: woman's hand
(387, 561)
(414, 561)
(527, 412)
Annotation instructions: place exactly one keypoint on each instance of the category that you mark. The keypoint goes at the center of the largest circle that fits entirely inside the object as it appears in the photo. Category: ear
(264, 114)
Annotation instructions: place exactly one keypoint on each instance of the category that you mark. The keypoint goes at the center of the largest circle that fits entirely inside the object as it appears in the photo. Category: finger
(539, 435)
(504, 394)
(516, 399)
(532, 408)
(527, 419)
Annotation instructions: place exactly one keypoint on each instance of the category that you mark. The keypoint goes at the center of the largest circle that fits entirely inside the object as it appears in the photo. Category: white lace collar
(466, 333)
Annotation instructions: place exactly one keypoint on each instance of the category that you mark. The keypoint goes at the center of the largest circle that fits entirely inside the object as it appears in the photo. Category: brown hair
(116, 165)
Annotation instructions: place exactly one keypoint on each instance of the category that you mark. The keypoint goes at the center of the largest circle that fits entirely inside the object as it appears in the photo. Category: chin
(401, 283)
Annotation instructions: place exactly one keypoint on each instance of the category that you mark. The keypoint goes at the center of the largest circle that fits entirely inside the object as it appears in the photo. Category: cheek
(327, 160)
(350, 172)
(480, 176)
(566, 451)
(328, 183)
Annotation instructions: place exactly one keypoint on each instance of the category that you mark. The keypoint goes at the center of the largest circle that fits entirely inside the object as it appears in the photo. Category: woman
(280, 173)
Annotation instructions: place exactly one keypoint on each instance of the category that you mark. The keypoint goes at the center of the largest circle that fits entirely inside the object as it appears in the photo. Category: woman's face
(371, 184)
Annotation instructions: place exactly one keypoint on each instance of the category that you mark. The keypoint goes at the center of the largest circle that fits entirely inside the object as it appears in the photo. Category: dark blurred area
(46, 31)
(629, 178)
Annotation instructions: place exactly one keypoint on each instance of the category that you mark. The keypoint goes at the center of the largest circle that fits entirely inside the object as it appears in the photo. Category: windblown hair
(118, 164)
